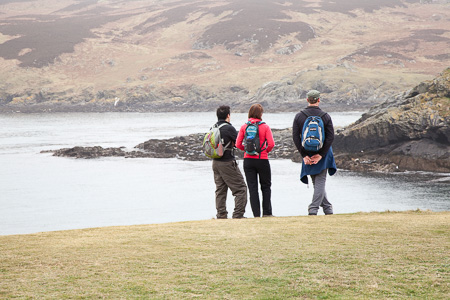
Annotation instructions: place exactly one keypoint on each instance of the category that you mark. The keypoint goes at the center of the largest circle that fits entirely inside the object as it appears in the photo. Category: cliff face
(409, 132)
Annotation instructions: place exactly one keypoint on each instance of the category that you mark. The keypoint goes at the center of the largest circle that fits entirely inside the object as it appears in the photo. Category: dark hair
(256, 111)
(312, 100)
(223, 112)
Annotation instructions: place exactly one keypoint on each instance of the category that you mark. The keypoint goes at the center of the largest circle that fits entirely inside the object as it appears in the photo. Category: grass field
(387, 255)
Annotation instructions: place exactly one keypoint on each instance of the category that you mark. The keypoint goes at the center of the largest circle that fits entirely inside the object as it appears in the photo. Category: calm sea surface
(39, 192)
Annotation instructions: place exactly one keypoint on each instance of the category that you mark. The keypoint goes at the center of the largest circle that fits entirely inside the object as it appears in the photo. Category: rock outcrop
(89, 152)
(409, 132)
(182, 147)
(343, 86)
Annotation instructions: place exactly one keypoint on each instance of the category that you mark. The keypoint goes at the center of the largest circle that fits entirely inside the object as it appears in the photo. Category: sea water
(39, 192)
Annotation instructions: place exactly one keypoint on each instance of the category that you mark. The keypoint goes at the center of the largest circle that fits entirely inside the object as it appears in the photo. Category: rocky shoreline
(340, 92)
(190, 148)
(410, 132)
(181, 147)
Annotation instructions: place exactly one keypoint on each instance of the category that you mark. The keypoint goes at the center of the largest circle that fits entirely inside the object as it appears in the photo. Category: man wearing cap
(317, 163)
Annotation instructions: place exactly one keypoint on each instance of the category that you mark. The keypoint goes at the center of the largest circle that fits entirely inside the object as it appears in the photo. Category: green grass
(359, 256)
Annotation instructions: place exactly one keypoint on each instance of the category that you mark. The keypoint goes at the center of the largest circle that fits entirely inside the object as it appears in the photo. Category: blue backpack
(251, 141)
(313, 133)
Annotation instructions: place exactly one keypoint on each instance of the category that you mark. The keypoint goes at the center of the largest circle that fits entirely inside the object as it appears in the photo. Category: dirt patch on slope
(47, 39)
(256, 25)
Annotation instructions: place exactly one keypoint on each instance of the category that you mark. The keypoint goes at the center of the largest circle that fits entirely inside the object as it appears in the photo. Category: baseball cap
(313, 94)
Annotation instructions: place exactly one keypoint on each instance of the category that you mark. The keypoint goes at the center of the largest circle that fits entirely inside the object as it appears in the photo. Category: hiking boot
(268, 216)
(242, 217)
(312, 214)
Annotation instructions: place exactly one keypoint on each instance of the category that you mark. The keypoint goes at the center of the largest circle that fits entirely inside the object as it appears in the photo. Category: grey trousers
(320, 195)
(228, 176)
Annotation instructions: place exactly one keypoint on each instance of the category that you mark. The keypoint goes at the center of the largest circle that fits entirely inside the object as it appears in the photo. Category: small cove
(44, 193)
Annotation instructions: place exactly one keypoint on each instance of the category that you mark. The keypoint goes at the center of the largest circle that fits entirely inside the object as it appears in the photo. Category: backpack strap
(309, 114)
(221, 125)
(264, 143)
(225, 147)
(306, 113)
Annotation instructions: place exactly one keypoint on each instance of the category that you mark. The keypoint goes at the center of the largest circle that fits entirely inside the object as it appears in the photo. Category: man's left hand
(315, 159)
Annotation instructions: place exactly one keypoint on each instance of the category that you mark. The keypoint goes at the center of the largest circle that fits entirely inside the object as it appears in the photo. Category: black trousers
(253, 168)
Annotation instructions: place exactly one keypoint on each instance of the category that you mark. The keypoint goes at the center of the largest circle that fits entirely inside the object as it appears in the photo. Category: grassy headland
(365, 255)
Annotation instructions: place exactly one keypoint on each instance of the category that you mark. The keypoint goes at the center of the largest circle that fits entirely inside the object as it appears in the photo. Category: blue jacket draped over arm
(326, 162)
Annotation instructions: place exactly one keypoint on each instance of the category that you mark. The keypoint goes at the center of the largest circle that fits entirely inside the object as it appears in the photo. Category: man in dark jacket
(226, 171)
(316, 164)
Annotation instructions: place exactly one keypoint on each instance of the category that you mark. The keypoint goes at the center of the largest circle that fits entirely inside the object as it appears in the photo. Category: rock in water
(89, 152)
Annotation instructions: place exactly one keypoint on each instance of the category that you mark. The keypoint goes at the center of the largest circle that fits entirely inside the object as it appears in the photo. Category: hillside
(117, 55)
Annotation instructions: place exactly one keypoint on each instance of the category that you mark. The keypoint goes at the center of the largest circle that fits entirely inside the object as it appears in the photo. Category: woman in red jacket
(257, 163)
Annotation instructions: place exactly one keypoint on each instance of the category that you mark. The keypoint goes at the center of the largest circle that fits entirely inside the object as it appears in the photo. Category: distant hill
(125, 55)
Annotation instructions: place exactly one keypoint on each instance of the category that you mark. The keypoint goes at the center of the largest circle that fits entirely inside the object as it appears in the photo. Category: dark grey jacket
(228, 133)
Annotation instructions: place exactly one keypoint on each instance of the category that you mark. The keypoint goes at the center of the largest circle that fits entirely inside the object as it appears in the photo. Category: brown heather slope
(122, 55)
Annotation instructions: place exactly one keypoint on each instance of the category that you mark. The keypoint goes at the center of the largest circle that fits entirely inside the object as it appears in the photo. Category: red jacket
(265, 134)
